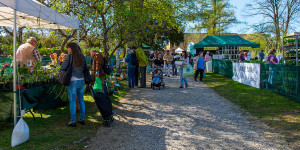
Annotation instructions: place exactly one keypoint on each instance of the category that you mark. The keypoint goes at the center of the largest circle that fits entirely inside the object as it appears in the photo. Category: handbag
(87, 76)
(188, 71)
(65, 76)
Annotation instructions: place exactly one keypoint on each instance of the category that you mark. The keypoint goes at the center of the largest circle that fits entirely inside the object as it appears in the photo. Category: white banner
(247, 73)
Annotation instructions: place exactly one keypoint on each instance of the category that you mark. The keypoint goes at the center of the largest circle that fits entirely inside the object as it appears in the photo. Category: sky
(241, 15)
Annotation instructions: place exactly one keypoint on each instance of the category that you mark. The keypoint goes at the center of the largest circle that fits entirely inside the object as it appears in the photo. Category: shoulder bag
(65, 76)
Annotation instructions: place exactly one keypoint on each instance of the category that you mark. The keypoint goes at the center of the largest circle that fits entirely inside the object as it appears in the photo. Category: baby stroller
(160, 82)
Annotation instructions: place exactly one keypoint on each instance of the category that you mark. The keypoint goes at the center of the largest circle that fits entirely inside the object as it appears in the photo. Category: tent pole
(283, 60)
(15, 66)
(297, 50)
(78, 36)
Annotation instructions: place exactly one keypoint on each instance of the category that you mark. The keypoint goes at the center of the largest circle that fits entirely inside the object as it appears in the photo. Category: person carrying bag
(79, 77)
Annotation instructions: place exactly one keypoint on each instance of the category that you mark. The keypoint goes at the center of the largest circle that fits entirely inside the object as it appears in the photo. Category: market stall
(30, 13)
(225, 46)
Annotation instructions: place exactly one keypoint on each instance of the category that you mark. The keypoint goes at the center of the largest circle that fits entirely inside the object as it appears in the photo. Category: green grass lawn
(276, 111)
(51, 131)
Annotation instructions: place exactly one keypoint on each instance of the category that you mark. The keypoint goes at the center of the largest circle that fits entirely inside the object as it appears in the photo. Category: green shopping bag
(98, 85)
(188, 71)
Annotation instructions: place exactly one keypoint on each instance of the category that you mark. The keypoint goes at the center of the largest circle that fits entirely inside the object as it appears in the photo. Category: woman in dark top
(159, 61)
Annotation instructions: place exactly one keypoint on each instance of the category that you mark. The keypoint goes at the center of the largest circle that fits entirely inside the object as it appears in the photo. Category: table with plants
(37, 87)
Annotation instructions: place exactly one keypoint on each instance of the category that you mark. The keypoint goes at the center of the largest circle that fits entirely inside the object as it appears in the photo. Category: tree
(278, 15)
(214, 15)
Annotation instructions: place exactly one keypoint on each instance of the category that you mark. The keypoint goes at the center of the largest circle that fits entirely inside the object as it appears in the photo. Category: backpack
(134, 60)
(106, 67)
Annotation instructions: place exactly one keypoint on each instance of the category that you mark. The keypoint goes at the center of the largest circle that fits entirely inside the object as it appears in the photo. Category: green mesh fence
(278, 78)
(281, 79)
(223, 67)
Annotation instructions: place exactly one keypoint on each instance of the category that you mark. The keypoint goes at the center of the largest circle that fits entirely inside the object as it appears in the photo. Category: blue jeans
(174, 70)
(155, 80)
(182, 78)
(76, 88)
(131, 77)
(167, 69)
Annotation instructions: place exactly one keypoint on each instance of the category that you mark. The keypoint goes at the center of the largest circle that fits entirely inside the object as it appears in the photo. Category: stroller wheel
(159, 88)
(163, 85)
(153, 87)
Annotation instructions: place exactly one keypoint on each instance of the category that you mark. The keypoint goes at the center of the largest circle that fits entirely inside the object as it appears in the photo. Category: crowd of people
(137, 61)
(165, 62)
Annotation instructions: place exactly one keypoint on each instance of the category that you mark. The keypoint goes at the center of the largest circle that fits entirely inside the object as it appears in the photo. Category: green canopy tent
(227, 43)
(144, 46)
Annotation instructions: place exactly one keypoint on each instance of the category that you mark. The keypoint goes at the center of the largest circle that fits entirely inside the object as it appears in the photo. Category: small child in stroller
(157, 79)
(157, 76)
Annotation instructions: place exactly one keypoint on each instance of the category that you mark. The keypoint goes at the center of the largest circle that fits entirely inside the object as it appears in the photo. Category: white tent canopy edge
(29, 11)
(34, 15)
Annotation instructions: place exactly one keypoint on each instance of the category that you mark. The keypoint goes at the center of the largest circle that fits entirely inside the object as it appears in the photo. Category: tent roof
(225, 40)
(34, 15)
(144, 46)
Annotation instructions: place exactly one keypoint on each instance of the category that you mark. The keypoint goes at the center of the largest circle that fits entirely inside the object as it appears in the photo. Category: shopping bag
(148, 69)
(188, 71)
(20, 133)
(98, 85)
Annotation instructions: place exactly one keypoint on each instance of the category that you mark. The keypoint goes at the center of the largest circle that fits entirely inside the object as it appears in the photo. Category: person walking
(261, 55)
(77, 84)
(143, 61)
(174, 68)
(185, 62)
(167, 62)
(130, 67)
(199, 63)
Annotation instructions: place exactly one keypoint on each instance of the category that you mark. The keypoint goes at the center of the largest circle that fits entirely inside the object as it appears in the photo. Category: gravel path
(191, 118)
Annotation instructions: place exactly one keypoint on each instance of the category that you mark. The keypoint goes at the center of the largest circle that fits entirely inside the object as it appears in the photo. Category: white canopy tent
(29, 13)
(179, 50)
(189, 46)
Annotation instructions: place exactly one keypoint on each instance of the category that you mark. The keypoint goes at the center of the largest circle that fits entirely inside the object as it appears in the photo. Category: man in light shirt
(28, 51)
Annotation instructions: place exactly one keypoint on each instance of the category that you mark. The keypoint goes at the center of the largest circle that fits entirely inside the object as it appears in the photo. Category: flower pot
(19, 86)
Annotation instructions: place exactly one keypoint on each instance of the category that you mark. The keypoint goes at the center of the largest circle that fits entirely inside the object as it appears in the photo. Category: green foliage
(214, 15)
(47, 51)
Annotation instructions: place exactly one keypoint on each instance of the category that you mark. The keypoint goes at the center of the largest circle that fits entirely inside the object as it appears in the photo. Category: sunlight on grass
(51, 132)
(277, 111)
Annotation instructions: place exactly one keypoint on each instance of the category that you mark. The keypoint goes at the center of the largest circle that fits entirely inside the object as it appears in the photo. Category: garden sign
(247, 73)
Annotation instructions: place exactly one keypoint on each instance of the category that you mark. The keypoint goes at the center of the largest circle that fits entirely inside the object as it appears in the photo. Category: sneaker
(186, 86)
(195, 79)
(71, 124)
(180, 87)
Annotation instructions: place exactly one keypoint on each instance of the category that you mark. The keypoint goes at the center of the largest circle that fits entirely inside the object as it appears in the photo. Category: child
(156, 77)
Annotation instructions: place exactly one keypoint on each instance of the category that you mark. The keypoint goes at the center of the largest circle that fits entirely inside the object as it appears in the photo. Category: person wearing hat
(28, 51)
(168, 58)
